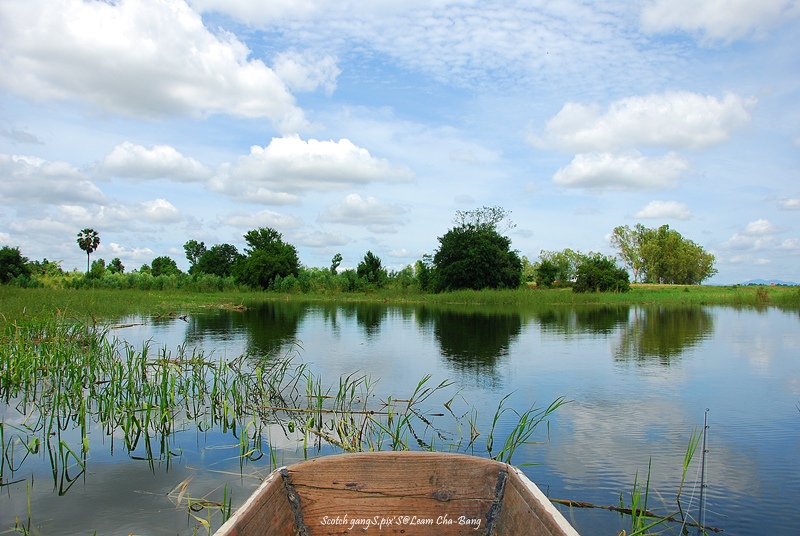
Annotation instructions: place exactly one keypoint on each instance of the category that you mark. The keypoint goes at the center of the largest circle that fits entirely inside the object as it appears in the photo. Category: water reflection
(598, 320)
(662, 334)
(472, 339)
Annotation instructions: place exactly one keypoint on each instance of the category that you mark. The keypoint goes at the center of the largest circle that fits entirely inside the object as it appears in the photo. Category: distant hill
(769, 282)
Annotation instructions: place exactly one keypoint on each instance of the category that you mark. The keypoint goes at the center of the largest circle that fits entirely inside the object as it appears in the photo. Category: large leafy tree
(164, 266)
(116, 266)
(629, 243)
(371, 270)
(219, 260)
(88, 241)
(194, 250)
(266, 257)
(12, 264)
(474, 255)
(663, 256)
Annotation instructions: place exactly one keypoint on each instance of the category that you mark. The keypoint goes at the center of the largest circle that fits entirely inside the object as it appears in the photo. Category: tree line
(474, 254)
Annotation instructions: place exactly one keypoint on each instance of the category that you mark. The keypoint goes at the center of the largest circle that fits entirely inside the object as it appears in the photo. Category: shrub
(601, 274)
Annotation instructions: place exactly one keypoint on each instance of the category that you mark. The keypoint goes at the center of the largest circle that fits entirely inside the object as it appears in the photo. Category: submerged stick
(628, 511)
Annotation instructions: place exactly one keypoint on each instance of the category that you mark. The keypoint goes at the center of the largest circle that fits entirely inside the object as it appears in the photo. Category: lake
(639, 381)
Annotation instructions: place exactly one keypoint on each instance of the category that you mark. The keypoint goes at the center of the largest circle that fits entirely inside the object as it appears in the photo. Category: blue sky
(355, 126)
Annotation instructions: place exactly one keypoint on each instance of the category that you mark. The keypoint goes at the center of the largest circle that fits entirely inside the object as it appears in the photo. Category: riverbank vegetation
(95, 304)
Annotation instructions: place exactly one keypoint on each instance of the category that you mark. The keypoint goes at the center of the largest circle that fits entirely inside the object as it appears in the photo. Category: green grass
(95, 305)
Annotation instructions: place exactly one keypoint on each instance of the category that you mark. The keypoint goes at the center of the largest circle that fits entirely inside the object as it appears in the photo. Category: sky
(365, 126)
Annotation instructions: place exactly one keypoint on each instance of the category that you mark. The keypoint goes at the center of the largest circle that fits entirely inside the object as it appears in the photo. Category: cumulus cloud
(161, 162)
(143, 59)
(369, 212)
(160, 210)
(718, 20)
(674, 120)
(665, 210)
(760, 228)
(756, 236)
(32, 179)
(289, 166)
(631, 171)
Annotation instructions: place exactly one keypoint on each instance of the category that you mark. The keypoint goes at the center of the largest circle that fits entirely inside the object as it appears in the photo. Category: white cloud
(792, 245)
(375, 215)
(32, 179)
(675, 120)
(632, 171)
(464, 43)
(318, 239)
(160, 210)
(718, 20)
(150, 59)
(665, 210)
(307, 73)
(789, 203)
(131, 253)
(757, 235)
(760, 227)
(264, 218)
(289, 165)
(160, 162)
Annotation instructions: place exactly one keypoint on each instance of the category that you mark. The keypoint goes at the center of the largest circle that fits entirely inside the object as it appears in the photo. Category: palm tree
(88, 240)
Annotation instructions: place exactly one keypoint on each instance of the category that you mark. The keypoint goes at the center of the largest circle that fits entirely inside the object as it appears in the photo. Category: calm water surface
(639, 380)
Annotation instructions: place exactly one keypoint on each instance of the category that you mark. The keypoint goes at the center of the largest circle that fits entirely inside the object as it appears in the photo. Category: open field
(99, 304)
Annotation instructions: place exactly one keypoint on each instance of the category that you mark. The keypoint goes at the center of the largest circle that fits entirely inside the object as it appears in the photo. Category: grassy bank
(103, 304)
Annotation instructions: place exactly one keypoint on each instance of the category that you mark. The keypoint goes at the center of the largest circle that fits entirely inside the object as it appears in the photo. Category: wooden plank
(265, 513)
(526, 510)
(397, 493)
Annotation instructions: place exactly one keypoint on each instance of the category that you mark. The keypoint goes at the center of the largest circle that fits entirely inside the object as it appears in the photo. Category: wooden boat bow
(397, 493)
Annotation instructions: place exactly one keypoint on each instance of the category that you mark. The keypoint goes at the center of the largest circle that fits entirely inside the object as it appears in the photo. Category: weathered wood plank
(526, 510)
(265, 513)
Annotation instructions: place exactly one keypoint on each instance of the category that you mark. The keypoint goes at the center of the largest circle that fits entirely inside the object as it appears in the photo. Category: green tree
(371, 270)
(45, 268)
(528, 270)
(98, 269)
(424, 272)
(546, 273)
(629, 243)
(194, 250)
(565, 262)
(663, 256)
(12, 264)
(601, 274)
(474, 255)
(88, 241)
(335, 262)
(219, 260)
(164, 266)
(267, 256)
(116, 266)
